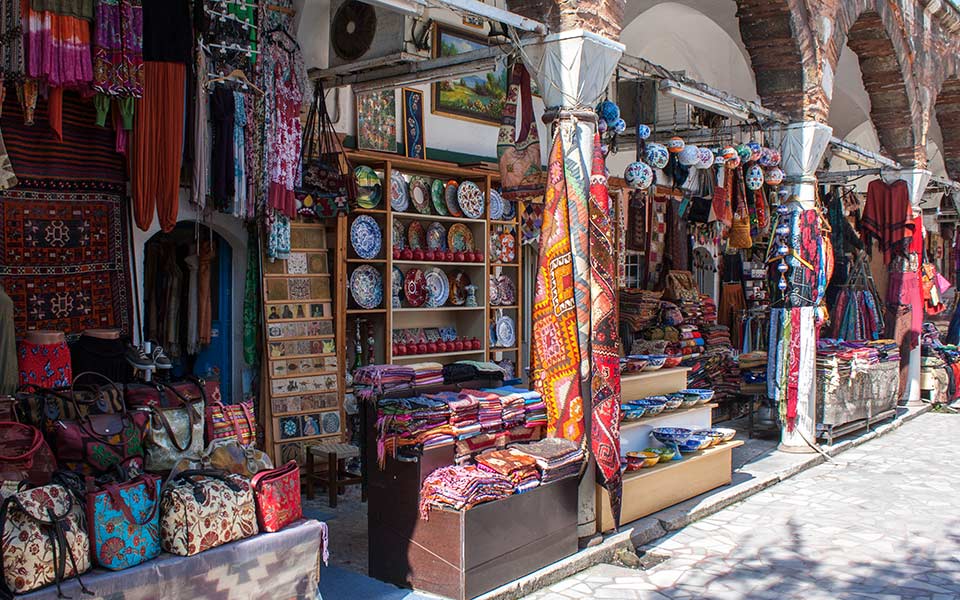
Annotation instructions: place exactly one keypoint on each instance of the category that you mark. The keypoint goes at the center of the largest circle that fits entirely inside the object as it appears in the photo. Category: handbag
(41, 407)
(327, 183)
(277, 494)
(200, 510)
(42, 540)
(521, 175)
(96, 443)
(699, 211)
(740, 237)
(226, 455)
(173, 432)
(24, 454)
(170, 394)
(231, 421)
(124, 522)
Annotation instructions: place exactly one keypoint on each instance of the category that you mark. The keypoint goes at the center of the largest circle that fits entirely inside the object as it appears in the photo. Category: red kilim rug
(63, 259)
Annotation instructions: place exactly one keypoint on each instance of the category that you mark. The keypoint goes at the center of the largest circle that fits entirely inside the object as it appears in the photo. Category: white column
(801, 147)
(917, 180)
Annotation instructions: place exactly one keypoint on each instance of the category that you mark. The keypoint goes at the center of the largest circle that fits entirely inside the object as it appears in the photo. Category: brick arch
(947, 108)
(783, 53)
(874, 31)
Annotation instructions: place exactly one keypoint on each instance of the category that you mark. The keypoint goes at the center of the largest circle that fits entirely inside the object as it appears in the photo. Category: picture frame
(377, 121)
(478, 98)
(414, 144)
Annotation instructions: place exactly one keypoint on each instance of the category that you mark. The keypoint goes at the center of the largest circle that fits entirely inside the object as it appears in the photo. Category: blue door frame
(216, 359)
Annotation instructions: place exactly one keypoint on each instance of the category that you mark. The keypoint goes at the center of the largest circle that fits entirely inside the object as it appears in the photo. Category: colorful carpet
(63, 259)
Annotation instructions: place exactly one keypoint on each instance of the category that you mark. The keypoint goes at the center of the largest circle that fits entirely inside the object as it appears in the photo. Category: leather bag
(172, 394)
(228, 456)
(42, 540)
(521, 174)
(232, 422)
(200, 510)
(24, 454)
(173, 432)
(277, 494)
(124, 522)
(41, 407)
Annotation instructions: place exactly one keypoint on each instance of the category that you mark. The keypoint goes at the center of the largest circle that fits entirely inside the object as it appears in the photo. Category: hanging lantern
(734, 163)
(608, 111)
(638, 175)
(643, 131)
(689, 156)
(773, 176)
(755, 150)
(774, 158)
(766, 157)
(602, 126)
(754, 177)
(705, 158)
(675, 145)
(728, 153)
(619, 126)
(744, 152)
(657, 155)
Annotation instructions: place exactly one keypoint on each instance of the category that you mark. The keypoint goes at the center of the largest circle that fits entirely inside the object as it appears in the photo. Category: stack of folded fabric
(490, 412)
(557, 458)
(717, 335)
(521, 468)
(427, 373)
(888, 350)
(405, 422)
(513, 404)
(535, 411)
(639, 308)
(462, 487)
(464, 413)
(486, 374)
(753, 367)
(709, 310)
(384, 378)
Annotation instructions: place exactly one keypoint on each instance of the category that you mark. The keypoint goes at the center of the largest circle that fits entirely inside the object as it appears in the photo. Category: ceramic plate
(470, 199)
(437, 196)
(366, 286)
(399, 236)
(399, 199)
(416, 236)
(415, 287)
(365, 237)
(438, 288)
(508, 248)
(397, 286)
(420, 195)
(369, 187)
(494, 290)
(509, 211)
(436, 237)
(506, 336)
(460, 238)
(458, 287)
(496, 205)
(507, 292)
(495, 247)
(448, 334)
(450, 199)
(431, 333)
(509, 368)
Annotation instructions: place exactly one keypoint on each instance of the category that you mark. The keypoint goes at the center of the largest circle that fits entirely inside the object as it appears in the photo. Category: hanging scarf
(604, 356)
(556, 342)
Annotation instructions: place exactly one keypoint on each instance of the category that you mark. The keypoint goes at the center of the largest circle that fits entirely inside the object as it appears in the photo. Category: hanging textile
(251, 301)
(887, 216)
(223, 115)
(57, 48)
(239, 156)
(555, 355)
(656, 241)
(604, 351)
(206, 253)
(118, 55)
(201, 134)
(11, 43)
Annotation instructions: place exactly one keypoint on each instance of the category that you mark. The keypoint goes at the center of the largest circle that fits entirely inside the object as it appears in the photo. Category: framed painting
(377, 121)
(413, 142)
(478, 97)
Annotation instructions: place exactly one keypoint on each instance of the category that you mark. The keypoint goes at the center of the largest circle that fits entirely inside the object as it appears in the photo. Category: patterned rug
(64, 259)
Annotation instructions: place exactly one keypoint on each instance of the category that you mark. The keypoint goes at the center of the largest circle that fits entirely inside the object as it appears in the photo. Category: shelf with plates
(436, 355)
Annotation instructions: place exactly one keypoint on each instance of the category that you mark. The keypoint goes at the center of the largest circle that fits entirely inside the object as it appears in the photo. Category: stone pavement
(879, 521)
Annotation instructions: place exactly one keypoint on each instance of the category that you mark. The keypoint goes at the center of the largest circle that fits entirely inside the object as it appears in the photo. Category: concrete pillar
(917, 179)
(802, 146)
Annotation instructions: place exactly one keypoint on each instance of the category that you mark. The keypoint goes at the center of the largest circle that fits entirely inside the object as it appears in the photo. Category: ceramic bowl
(671, 435)
(715, 436)
(674, 401)
(649, 458)
(632, 412)
(695, 442)
(654, 406)
(672, 362)
(728, 433)
(690, 401)
(664, 452)
(655, 361)
(703, 396)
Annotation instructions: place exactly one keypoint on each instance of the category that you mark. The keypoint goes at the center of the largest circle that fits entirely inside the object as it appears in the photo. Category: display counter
(847, 404)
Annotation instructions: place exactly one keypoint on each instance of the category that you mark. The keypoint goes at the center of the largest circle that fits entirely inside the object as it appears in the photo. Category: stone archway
(947, 109)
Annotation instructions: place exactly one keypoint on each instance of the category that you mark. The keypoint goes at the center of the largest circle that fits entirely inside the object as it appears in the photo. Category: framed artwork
(413, 143)
(377, 121)
(479, 97)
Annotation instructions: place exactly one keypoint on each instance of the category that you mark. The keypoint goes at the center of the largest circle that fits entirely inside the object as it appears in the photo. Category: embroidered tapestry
(63, 259)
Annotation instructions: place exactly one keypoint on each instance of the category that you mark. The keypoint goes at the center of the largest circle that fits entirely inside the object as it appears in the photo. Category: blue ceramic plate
(366, 287)
(365, 236)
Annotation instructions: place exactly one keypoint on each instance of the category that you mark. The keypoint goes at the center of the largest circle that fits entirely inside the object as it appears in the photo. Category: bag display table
(271, 566)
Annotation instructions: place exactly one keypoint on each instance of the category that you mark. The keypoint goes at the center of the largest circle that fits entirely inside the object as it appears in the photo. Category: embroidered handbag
(200, 510)
(521, 175)
(24, 454)
(42, 539)
(231, 421)
(174, 432)
(124, 522)
(277, 494)
(172, 394)
(228, 456)
(327, 184)
(41, 407)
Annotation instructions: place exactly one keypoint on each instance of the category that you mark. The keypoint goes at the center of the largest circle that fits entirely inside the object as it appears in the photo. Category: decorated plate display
(496, 205)
(450, 199)
(415, 287)
(366, 286)
(506, 336)
(416, 236)
(460, 238)
(507, 292)
(448, 334)
(437, 196)
(508, 248)
(458, 287)
(436, 237)
(494, 288)
(420, 195)
(509, 210)
(399, 199)
(365, 237)
(397, 284)
(438, 288)
(369, 187)
(399, 236)
(495, 248)
(470, 199)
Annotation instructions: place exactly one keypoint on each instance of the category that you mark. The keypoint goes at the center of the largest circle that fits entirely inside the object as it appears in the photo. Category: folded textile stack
(521, 468)
(410, 421)
(515, 402)
(427, 373)
(639, 308)
(557, 458)
(534, 411)
(490, 412)
(464, 413)
(462, 487)
(709, 310)
(753, 367)
(384, 377)
(490, 374)
(888, 350)
(717, 335)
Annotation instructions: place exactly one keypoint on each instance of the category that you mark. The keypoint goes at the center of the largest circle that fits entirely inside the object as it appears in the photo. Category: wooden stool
(336, 478)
